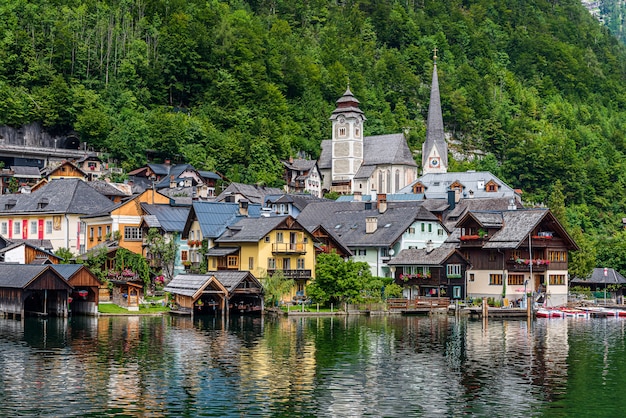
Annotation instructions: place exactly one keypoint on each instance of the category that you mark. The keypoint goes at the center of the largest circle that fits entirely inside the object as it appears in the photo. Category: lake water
(313, 367)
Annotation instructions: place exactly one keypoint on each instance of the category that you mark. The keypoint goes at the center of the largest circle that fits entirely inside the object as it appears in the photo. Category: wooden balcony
(289, 248)
(537, 266)
(293, 274)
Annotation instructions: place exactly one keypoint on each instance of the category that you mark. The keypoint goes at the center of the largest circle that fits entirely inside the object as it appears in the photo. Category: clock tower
(435, 147)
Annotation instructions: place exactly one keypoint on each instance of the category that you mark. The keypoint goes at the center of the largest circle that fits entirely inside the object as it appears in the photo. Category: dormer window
(491, 186)
(10, 204)
(43, 202)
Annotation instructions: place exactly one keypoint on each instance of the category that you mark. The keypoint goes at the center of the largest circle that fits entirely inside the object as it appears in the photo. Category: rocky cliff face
(33, 135)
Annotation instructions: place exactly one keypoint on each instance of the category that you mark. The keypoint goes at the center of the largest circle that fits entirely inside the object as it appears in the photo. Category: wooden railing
(408, 304)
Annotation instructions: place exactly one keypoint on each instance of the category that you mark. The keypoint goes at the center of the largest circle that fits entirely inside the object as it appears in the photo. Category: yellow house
(122, 223)
(265, 245)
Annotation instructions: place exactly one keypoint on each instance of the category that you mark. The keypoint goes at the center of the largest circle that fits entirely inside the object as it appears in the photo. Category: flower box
(469, 237)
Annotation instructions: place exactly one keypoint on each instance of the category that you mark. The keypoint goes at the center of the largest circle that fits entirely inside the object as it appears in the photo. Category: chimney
(243, 207)
(429, 246)
(371, 224)
(167, 161)
(172, 182)
(382, 203)
(451, 199)
(471, 194)
(290, 159)
(512, 205)
(358, 197)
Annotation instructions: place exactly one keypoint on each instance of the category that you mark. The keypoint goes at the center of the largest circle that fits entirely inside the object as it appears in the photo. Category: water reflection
(340, 366)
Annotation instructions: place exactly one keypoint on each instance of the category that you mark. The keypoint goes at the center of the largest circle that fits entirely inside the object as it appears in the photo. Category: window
(453, 271)
(439, 231)
(108, 229)
(384, 252)
(300, 264)
(48, 227)
(556, 279)
(271, 263)
(192, 235)
(132, 233)
(471, 279)
(411, 230)
(267, 238)
(4, 228)
(279, 237)
(466, 254)
(214, 263)
(33, 227)
(492, 256)
(91, 234)
(16, 228)
(515, 279)
(99, 233)
(250, 263)
(495, 279)
(305, 240)
(397, 179)
(362, 252)
(342, 131)
(357, 132)
(516, 254)
(456, 292)
(423, 226)
(557, 255)
(232, 261)
(184, 255)
(430, 227)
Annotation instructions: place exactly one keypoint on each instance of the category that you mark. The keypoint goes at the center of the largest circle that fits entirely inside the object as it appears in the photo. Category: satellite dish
(391, 252)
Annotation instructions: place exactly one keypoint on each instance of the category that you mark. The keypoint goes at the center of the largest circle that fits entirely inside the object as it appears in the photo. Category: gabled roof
(41, 244)
(215, 217)
(52, 170)
(515, 227)
(26, 171)
(438, 185)
(169, 218)
(377, 150)
(299, 200)
(299, 164)
(254, 229)
(71, 195)
(254, 193)
(20, 276)
(29, 243)
(209, 175)
(174, 171)
(106, 188)
(232, 278)
(192, 285)
(348, 220)
(435, 257)
(597, 277)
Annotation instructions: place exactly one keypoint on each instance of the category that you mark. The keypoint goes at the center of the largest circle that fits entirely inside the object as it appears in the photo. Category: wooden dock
(497, 312)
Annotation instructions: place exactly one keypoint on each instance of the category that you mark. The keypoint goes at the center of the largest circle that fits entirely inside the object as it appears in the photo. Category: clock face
(434, 162)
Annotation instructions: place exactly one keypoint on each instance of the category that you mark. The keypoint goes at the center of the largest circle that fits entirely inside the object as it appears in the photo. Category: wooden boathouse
(33, 289)
(216, 293)
(85, 295)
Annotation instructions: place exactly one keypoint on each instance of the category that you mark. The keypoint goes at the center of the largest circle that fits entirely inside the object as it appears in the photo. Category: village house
(302, 176)
(252, 193)
(514, 252)
(435, 272)
(65, 170)
(264, 246)
(374, 233)
(53, 213)
(93, 166)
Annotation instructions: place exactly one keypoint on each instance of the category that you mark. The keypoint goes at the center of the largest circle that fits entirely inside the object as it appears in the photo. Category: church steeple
(435, 148)
(347, 141)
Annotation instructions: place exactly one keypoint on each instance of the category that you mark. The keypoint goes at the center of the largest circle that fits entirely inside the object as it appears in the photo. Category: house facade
(302, 176)
(515, 252)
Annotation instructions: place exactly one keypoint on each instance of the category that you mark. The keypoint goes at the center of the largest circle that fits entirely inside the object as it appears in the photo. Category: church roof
(347, 104)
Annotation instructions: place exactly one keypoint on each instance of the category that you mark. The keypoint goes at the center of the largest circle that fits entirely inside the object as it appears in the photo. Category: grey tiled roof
(516, 225)
(70, 195)
(175, 171)
(299, 200)
(170, 218)
(187, 284)
(423, 258)
(43, 244)
(19, 276)
(347, 221)
(67, 270)
(23, 171)
(438, 184)
(377, 150)
(253, 193)
(251, 229)
(475, 205)
(597, 277)
(299, 164)
(230, 279)
(106, 189)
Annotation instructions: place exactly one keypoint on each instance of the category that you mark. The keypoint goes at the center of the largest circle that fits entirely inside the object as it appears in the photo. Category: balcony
(289, 248)
(524, 265)
(472, 240)
(293, 274)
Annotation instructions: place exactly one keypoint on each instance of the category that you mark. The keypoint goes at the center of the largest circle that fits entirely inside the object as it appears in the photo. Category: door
(293, 239)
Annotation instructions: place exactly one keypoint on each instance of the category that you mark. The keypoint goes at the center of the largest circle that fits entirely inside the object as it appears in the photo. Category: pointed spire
(348, 103)
(435, 137)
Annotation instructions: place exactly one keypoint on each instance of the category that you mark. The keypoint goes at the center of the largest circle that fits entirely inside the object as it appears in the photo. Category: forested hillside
(537, 86)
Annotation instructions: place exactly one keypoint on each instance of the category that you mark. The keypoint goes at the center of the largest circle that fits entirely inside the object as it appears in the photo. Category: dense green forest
(536, 88)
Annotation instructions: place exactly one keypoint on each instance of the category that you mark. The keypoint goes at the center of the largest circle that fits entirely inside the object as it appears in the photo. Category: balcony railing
(293, 274)
(289, 248)
(524, 265)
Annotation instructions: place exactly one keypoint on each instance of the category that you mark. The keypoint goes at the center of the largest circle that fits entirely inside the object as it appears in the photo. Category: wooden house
(66, 170)
(217, 292)
(436, 272)
(86, 293)
(24, 252)
(33, 289)
(514, 252)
